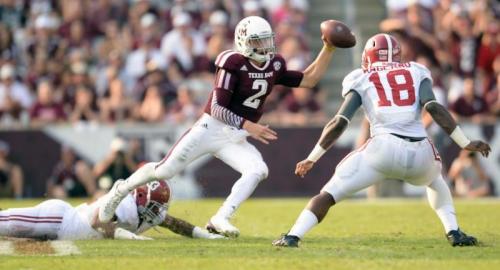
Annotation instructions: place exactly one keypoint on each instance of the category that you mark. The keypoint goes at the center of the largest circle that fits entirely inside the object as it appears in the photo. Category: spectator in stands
(8, 48)
(493, 98)
(14, 95)
(45, 43)
(184, 46)
(84, 110)
(71, 177)
(145, 55)
(488, 51)
(119, 164)
(184, 110)
(152, 108)
(470, 106)
(46, 109)
(253, 8)
(301, 108)
(117, 106)
(11, 175)
(219, 36)
(468, 177)
(116, 40)
(78, 78)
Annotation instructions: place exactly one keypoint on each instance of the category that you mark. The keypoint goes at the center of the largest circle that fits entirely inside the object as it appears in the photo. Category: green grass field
(387, 234)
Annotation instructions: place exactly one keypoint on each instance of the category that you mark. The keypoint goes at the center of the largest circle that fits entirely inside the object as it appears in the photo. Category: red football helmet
(152, 201)
(381, 48)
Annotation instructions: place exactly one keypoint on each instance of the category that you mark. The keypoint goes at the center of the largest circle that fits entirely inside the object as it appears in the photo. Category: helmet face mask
(380, 48)
(152, 202)
(254, 39)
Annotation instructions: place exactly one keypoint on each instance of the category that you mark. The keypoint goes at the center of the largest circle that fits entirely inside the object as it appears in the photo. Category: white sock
(143, 175)
(440, 199)
(447, 216)
(305, 222)
(241, 190)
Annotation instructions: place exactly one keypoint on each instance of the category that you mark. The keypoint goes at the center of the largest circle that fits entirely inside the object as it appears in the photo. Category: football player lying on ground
(244, 79)
(392, 95)
(144, 208)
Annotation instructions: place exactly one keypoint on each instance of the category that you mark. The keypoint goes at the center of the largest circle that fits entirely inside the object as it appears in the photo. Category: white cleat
(221, 225)
(110, 202)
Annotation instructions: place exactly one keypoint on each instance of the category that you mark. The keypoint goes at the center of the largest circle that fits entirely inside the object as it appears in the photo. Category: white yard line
(6, 248)
(64, 248)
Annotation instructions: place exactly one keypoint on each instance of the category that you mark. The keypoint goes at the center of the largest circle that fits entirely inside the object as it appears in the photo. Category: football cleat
(287, 240)
(222, 226)
(110, 202)
(459, 238)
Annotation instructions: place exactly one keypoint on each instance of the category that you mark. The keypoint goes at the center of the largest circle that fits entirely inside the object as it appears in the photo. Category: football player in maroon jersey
(244, 78)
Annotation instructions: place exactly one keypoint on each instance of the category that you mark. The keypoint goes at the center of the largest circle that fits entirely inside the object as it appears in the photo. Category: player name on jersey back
(387, 66)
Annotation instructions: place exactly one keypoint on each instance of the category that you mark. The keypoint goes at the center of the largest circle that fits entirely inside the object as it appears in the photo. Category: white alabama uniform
(390, 99)
(57, 219)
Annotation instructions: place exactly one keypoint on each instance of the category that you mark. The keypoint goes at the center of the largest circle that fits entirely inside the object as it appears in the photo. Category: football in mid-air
(337, 34)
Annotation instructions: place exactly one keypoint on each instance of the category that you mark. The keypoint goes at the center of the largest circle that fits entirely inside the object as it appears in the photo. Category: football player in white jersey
(392, 94)
(139, 211)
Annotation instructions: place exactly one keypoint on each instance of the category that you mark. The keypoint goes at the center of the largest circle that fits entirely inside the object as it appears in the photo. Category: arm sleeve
(290, 78)
(425, 92)
(351, 104)
(221, 98)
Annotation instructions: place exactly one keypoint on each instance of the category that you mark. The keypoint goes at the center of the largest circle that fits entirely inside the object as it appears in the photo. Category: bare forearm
(332, 132)
(441, 116)
(316, 70)
(178, 226)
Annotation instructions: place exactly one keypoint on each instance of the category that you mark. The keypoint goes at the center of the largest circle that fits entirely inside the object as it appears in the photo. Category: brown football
(338, 34)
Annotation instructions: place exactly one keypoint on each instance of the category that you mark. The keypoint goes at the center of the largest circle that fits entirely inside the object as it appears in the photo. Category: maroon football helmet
(152, 201)
(381, 48)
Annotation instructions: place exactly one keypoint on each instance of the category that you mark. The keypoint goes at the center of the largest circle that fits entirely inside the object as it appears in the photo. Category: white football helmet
(254, 38)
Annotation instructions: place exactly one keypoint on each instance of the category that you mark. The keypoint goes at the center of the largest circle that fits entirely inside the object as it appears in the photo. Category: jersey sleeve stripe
(217, 60)
(220, 78)
(224, 58)
(227, 80)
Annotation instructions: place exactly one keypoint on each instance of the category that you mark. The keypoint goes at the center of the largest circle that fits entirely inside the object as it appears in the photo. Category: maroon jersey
(241, 87)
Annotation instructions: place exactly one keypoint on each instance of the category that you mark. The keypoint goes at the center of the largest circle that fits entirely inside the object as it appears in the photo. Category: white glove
(202, 233)
(123, 234)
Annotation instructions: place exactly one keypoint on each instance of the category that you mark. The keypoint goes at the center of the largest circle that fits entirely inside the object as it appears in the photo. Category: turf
(357, 234)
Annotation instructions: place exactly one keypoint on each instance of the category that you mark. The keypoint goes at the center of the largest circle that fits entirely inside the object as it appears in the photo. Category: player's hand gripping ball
(337, 34)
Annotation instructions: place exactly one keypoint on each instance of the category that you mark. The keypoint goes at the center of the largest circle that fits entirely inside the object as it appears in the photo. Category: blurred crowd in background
(91, 62)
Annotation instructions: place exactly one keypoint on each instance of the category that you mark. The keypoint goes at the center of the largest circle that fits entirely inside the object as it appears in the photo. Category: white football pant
(42, 221)
(210, 136)
(382, 157)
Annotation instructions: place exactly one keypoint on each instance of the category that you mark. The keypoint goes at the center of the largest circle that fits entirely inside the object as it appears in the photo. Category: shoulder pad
(422, 71)
(229, 60)
(352, 82)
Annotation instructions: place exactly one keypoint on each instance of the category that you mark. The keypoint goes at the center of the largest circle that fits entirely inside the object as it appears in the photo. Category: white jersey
(390, 96)
(76, 223)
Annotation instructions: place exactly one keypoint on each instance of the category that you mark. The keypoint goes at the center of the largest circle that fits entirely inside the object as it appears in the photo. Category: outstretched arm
(444, 119)
(187, 229)
(331, 132)
(315, 71)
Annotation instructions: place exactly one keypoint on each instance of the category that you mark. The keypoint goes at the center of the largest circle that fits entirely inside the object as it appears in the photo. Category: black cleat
(459, 238)
(287, 240)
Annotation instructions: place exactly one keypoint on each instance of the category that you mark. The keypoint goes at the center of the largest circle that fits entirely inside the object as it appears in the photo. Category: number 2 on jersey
(396, 88)
(254, 101)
